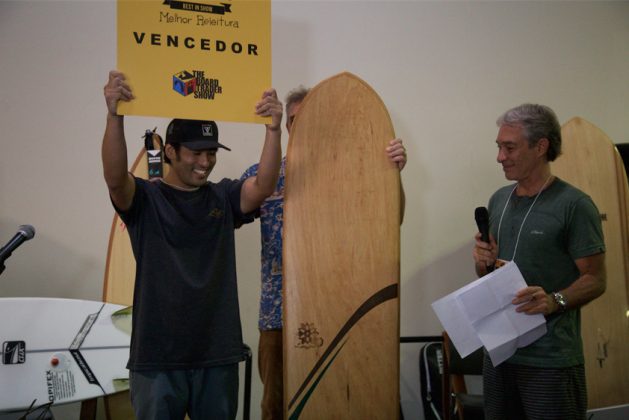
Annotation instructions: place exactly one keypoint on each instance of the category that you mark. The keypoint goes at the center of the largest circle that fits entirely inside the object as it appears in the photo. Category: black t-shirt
(185, 301)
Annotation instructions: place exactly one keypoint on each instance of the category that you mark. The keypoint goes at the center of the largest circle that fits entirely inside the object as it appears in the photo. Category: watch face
(560, 300)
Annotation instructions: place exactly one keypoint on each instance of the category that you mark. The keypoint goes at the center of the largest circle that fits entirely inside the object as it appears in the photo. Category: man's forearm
(270, 159)
(584, 290)
(402, 202)
(114, 153)
(590, 284)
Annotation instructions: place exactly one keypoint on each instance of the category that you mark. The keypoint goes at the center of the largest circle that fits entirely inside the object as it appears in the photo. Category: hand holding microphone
(484, 254)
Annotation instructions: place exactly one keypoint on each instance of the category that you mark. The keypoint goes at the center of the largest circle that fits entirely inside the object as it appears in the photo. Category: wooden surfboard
(591, 163)
(120, 275)
(341, 255)
(59, 351)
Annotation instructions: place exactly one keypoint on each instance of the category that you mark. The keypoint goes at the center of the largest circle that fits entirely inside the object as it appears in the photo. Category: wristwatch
(561, 302)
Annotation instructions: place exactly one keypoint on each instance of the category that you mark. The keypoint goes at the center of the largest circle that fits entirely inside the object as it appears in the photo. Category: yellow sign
(197, 59)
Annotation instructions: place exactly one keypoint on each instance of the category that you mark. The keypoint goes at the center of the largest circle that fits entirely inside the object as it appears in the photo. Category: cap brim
(203, 145)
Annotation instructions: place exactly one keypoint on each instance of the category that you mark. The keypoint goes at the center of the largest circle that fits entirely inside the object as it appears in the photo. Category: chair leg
(247, 396)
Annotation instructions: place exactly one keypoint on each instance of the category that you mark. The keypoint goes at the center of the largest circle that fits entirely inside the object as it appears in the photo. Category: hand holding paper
(482, 314)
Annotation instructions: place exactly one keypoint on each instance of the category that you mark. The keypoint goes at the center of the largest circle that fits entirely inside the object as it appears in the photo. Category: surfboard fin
(122, 319)
(121, 384)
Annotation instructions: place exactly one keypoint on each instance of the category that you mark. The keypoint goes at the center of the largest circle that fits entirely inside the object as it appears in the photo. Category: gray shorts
(526, 392)
(206, 393)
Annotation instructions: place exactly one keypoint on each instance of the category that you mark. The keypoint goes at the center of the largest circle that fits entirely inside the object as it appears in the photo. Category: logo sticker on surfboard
(308, 336)
(13, 352)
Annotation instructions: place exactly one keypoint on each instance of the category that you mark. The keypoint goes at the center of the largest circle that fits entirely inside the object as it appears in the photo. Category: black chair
(456, 400)
(422, 339)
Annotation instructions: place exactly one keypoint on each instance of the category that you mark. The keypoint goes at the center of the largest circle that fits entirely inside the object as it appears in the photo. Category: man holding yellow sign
(186, 338)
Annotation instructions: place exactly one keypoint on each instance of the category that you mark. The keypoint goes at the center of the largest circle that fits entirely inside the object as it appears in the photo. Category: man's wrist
(114, 116)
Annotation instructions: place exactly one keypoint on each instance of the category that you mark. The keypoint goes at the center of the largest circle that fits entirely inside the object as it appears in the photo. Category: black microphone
(482, 221)
(24, 233)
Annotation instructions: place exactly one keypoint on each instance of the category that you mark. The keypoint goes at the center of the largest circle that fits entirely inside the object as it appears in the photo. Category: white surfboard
(59, 351)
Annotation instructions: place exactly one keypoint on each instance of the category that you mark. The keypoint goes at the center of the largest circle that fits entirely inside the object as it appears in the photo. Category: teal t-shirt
(563, 225)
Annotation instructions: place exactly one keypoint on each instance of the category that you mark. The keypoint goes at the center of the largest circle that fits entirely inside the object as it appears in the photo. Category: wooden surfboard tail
(341, 254)
(59, 351)
(591, 162)
(297, 404)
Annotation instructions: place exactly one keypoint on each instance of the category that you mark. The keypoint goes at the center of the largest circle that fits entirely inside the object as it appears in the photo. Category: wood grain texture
(341, 257)
(591, 162)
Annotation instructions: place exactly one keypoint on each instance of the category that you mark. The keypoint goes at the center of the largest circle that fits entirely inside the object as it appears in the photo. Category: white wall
(444, 69)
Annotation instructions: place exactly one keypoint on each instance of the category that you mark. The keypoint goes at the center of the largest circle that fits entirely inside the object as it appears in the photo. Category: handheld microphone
(482, 221)
(24, 233)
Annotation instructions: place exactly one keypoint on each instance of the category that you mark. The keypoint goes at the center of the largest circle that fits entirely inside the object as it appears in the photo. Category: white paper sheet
(481, 314)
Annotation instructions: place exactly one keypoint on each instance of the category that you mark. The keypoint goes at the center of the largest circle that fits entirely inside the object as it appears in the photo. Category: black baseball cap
(194, 134)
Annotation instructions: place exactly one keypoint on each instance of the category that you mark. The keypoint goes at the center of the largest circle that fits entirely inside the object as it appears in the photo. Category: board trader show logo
(196, 84)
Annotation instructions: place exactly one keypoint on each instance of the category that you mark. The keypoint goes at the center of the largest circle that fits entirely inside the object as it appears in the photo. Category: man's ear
(542, 146)
(170, 152)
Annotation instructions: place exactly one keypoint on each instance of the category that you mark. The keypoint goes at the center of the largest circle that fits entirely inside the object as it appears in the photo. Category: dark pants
(526, 392)
(206, 393)
(270, 367)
